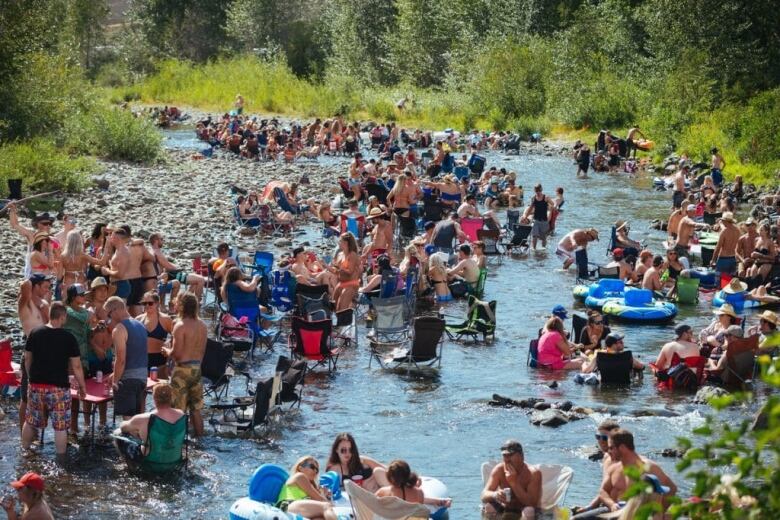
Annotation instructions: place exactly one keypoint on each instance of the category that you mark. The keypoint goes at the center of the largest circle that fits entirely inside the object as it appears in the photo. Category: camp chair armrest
(223, 306)
(124, 438)
(232, 406)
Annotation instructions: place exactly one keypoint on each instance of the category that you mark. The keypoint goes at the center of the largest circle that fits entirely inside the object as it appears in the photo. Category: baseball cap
(612, 338)
(560, 311)
(691, 207)
(37, 278)
(681, 329)
(76, 290)
(30, 480)
(511, 446)
(617, 252)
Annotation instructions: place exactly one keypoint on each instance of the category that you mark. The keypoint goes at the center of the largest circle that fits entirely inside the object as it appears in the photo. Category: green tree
(421, 48)
(86, 25)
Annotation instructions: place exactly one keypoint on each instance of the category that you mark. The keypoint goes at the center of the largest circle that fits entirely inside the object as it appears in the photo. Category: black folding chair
(234, 416)
(217, 371)
(426, 345)
(615, 369)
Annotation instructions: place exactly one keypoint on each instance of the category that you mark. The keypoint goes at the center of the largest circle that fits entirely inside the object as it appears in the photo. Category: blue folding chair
(283, 203)
(242, 304)
(282, 293)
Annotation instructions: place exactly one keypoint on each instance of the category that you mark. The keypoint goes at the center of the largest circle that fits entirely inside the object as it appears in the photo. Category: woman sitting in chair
(404, 484)
(330, 220)
(235, 277)
(345, 460)
(555, 351)
(374, 282)
(594, 332)
(302, 495)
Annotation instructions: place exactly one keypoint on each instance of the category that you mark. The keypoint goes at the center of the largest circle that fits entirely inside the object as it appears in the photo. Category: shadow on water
(441, 424)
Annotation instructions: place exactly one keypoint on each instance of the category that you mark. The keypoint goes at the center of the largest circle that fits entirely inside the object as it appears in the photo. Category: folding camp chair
(281, 200)
(246, 304)
(478, 289)
(390, 326)
(615, 369)
(262, 264)
(405, 229)
(532, 359)
(292, 374)
(512, 219)
(555, 483)
(368, 506)
(9, 371)
(163, 457)
(578, 323)
(432, 210)
(426, 345)
(581, 261)
(480, 320)
(234, 415)
(345, 330)
(217, 370)
(251, 222)
(686, 290)
(283, 290)
(470, 227)
(492, 240)
(740, 362)
(353, 224)
(410, 291)
(312, 302)
(311, 341)
(518, 244)
(270, 223)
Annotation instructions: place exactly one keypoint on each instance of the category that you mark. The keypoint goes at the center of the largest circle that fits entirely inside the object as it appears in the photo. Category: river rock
(282, 242)
(673, 453)
(551, 418)
(563, 405)
(542, 405)
(650, 412)
(101, 183)
(593, 453)
(706, 393)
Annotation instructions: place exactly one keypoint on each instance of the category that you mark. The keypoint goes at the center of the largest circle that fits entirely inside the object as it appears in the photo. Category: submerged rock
(552, 418)
(706, 393)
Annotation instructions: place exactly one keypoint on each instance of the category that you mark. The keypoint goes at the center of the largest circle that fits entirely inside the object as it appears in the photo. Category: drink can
(153, 373)
(99, 376)
(508, 494)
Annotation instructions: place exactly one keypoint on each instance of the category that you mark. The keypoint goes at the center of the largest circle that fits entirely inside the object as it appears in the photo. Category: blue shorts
(726, 264)
(441, 298)
(123, 288)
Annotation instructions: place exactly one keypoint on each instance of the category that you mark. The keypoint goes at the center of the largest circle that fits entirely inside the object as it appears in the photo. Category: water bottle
(153, 373)
(99, 376)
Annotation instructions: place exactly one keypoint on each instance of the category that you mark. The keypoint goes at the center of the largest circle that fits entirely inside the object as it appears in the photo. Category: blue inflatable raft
(638, 305)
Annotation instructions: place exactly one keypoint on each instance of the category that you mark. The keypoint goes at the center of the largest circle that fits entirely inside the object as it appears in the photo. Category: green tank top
(290, 493)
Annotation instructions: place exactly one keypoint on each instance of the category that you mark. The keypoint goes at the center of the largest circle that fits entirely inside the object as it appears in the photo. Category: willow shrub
(114, 134)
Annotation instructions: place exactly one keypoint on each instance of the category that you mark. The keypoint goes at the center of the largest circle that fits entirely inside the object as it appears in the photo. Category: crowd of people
(113, 308)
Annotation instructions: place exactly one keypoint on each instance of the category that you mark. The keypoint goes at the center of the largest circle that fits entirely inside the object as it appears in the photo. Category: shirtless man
(679, 185)
(716, 170)
(630, 144)
(602, 440)
(466, 267)
(684, 346)
(33, 309)
(187, 348)
(615, 483)
(685, 231)
(674, 223)
(724, 258)
(469, 210)
(195, 282)
(618, 260)
(652, 277)
(573, 241)
(513, 485)
(119, 263)
(305, 276)
(381, 234)
(747, 243)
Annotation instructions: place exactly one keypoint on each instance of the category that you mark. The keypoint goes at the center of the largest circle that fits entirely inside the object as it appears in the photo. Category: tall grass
(113, 134)
(42, 166)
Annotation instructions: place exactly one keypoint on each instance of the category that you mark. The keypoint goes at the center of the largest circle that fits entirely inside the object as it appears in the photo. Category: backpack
(683, 378)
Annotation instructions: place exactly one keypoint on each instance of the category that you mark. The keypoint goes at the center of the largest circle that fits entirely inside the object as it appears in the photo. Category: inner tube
(580, 292)
(708, 278)
(654, 312)
(603, 290)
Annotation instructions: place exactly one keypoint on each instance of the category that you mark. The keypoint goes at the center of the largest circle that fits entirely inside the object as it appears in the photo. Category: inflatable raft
(267, 482)
(602, 291)
(738, 301)
(638, 305)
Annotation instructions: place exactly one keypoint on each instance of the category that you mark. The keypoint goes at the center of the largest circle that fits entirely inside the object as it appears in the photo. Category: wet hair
(658, 260)
(162, 394)
(555, 324)
(401, 475)
(465, 249)
(354, 466)
(538, 188)
(608, 425)
(232, 276)
(188, 305)
(621, 437)
(223, 248)
(383, 262)
(57, 310)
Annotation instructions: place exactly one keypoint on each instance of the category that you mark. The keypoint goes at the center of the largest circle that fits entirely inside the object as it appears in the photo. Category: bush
(113, 134)
(43, 167)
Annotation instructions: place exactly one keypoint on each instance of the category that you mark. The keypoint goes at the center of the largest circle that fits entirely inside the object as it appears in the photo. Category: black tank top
(444, 234)
(540, 208)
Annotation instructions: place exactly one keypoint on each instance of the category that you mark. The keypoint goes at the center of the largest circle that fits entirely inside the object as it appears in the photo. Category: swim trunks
(48, 401)
(123, 289)
(726, 264)
(136, 291)
(187, 387)
(563, 254)
(540, 229)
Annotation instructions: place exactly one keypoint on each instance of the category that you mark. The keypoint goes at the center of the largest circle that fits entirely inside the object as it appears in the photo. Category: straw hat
(769, 316)
(727, 217)
(735, 286)
(375, 212)
(40, 236)
(620, 224)
(726, 309)
(99, 281)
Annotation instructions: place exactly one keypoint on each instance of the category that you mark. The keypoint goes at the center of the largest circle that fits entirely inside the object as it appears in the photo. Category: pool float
(736, 294)
(638, 305)
(267, 482)
(602, 291)
(708, 278)
(580, 292)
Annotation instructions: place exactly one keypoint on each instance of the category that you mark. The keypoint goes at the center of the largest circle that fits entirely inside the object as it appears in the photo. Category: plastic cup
(358, 480)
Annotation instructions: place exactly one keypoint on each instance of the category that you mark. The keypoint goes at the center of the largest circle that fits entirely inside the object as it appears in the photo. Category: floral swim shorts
(43, 400)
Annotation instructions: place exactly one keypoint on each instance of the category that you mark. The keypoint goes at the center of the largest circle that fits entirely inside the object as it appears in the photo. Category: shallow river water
(442, 425)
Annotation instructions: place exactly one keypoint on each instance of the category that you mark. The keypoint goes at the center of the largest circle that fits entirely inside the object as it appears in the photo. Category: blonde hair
(74, 246)
(307, 458)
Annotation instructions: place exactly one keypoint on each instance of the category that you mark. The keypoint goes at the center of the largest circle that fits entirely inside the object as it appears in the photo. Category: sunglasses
(310, 466)
(598, 322)
(671, 253)
(345, 450)
(602, 437)
(148, 304)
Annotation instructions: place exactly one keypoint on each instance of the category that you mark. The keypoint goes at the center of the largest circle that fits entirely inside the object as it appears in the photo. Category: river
(443, 425)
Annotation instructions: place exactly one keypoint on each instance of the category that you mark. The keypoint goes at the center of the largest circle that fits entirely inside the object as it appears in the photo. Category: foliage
(114, 134)
(735, 467)
(42, 166)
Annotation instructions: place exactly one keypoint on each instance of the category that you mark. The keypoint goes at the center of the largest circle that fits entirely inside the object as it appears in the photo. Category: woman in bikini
(329, 220)
(74, 261)
(763, 254)
(404, 484)
(158, 327)
(449, 191)
(302, 494)
(347, 268)
(437, 276)
(345, 459)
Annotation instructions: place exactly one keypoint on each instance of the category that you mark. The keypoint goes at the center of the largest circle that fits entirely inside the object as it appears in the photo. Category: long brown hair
(354, 466)
(401, 475)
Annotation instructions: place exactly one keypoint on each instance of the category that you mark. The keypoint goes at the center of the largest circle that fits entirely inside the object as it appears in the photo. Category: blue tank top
(136, 363)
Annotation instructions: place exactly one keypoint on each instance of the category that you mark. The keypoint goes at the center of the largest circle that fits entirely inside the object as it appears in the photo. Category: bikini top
(158, 332)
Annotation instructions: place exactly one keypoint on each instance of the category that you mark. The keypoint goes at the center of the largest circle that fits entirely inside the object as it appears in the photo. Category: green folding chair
(687, 290)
